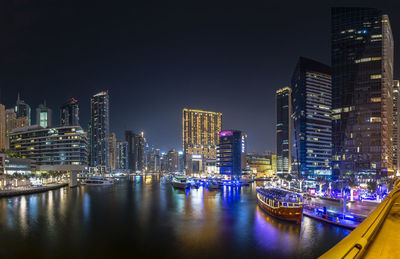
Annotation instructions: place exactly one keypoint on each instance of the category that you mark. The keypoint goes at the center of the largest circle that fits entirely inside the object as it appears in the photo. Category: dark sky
(156, 57)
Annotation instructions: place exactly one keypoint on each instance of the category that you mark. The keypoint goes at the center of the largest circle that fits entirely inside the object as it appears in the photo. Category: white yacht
(98, 180)
(180, 181)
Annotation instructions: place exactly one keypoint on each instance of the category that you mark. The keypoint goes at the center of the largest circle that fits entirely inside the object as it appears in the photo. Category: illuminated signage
(196, 156)
(225, 133)
(243, 145)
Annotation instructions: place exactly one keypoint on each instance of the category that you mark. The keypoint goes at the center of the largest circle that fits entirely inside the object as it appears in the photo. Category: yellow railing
(356, 243)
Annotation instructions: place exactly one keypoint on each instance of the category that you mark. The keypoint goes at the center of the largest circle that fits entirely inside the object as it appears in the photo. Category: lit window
(376, 76)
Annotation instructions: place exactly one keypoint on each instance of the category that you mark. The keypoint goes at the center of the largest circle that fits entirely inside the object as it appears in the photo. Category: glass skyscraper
(99, 130)
(362, 81)
(69, 113)
(283, 130)
(312, 121)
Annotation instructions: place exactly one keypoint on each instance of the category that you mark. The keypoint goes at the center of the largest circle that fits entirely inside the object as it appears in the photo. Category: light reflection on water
(147, 218)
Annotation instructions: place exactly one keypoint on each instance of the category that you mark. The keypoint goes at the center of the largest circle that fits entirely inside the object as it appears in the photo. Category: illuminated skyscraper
(99, 130)
(121, 155)
(12, 122)
(3, 131)
(283, 130)
(231, 153)
(22, 109)
(69, 113)
(362, 92)
(113, 151)
(136, 146)
(200, 138)
(312, 119)
(44, 116)
(173, 161)
(396, 124)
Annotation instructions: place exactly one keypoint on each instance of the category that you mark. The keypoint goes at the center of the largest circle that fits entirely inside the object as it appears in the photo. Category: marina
(194, 223)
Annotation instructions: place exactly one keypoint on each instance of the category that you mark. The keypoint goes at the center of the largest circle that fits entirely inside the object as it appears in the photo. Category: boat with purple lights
(283, 204)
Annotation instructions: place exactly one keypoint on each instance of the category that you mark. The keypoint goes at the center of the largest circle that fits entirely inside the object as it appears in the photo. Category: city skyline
(249, 57)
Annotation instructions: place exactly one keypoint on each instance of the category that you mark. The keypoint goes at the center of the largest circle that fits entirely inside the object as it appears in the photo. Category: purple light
(225, 133)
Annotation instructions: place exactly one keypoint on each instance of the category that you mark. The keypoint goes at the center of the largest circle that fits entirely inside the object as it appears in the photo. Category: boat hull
(289, 214)
(180, 185)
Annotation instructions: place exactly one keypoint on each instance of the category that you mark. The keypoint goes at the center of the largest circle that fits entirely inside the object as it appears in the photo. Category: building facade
(22, 109)
(113, 151)
(396, 123)
(283, 130)
(44, 116)
(362, 82)
(136, 147)
(121, 156)
(263, 165)
(12, 122)
(200, 138)
(3, 129)
(231, 154)
(59, 148)
(99, 131)
(69, 113)
(312, 119)
(173, 161)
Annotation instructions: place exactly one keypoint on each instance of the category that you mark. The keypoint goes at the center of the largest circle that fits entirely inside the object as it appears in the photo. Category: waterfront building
(61, 148)
(231, 153)
(200, 138)
(262, 165)
(12, 122)
(283, 130)
(362, 90)
(3, 129)
(113, 151)
(173, 161)
(312, 120)
(181, 162)
(121, 156)
(163, 162)
(22, 109)
(136, 147)
(44, 116)
(396, 122)
(99, 131)
(69, 113)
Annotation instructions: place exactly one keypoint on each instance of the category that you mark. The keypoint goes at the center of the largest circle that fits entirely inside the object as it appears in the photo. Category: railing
(357, 242)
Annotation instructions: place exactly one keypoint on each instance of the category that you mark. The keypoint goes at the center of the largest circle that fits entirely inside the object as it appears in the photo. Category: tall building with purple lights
(231, 153)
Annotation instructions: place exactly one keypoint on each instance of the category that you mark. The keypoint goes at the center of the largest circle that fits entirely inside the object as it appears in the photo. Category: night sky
(156, 57)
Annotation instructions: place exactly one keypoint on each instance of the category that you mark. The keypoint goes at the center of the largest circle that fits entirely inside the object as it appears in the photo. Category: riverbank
(31, 190)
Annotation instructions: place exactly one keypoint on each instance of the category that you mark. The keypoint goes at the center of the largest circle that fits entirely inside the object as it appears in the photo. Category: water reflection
(142, 213)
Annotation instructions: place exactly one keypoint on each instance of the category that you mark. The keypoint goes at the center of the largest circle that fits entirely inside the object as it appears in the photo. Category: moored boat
(98, 181)
(180, 181)
(283, 204)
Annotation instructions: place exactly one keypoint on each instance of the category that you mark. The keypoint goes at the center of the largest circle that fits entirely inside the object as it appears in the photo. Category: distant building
(44, 116)
(59, 148)
(113, 151)
(283, 130)
(12, 122)
(396, 124)
(172, 161)
(69, 113)
(99, 131)
(22, 109)
(263, 165)
(312, 118)
(200, 138)
(231, 153)
(3, 129)
(136, 147)
(362, 90)
(121, 155)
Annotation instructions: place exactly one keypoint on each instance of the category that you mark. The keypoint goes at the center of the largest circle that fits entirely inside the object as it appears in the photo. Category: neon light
(226, 133)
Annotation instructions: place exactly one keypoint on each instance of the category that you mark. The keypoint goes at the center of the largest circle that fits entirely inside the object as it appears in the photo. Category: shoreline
(11, 193)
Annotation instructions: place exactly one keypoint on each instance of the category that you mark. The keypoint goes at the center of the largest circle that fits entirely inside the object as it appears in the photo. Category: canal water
(145, 217)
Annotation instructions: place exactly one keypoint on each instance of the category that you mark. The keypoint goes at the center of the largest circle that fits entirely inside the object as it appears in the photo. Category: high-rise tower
(362, 96)
(283, 130)
(99, 130)
(200, 138)
(312, 119)
(69, 113)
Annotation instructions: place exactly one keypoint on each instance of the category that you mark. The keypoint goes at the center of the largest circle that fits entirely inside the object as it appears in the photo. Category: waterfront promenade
(30, 190)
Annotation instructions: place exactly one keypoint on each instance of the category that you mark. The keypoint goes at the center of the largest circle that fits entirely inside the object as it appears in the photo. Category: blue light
(364, 31)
